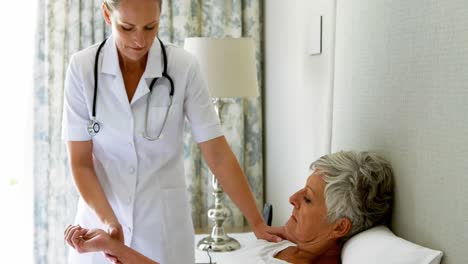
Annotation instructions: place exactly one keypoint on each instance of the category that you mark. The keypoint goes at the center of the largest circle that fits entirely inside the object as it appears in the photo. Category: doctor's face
(308, 222)
(135, 25)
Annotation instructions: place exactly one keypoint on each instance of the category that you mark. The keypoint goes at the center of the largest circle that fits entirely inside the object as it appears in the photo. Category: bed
(376, 245)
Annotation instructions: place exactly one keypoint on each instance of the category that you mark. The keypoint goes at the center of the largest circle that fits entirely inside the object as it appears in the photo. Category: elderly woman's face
(134, 27)
(308, 222)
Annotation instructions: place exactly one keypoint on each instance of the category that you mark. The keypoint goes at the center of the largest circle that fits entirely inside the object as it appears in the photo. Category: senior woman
(346, 193)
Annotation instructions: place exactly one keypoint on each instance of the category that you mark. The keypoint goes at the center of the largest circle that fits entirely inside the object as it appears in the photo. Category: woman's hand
(72, 235)
(272, 234)
(85, 240)
(92, 240)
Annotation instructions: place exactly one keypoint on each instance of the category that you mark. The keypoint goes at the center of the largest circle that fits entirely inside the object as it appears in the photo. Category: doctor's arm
(224, 165)
(89, 187)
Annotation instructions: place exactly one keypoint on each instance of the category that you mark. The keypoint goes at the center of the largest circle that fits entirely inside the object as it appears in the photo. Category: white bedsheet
(252, 251)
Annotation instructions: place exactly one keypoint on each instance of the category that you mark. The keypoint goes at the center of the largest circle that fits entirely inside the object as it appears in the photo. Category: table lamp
(229, 68)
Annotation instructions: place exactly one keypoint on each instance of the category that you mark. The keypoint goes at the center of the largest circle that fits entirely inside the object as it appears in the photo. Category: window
(16, 149)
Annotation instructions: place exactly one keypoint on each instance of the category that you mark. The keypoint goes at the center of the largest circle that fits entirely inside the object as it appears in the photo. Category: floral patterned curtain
(66, 26)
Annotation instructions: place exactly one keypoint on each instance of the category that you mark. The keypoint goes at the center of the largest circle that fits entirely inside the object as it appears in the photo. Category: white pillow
(380, 245)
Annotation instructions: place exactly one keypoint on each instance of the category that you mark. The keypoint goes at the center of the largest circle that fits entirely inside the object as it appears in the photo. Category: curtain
(67, 26)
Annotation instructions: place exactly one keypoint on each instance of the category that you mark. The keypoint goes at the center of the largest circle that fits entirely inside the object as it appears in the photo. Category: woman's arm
(96, 240)
(89, 187)
(224, 165)
(126, 255)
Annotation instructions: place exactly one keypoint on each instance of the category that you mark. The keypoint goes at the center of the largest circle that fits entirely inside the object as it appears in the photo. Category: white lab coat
(143, 180)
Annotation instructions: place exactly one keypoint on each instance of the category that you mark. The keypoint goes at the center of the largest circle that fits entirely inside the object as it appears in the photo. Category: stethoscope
(94, 126)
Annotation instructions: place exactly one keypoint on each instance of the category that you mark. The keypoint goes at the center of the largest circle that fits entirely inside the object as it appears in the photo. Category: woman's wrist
(115, 248)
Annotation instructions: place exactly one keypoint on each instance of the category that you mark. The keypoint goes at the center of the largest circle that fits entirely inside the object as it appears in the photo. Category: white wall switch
(315, 35)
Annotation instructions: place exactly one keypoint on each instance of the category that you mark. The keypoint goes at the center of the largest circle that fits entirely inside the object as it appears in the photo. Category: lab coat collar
(154, 64)
(110, 60)
(153, 70)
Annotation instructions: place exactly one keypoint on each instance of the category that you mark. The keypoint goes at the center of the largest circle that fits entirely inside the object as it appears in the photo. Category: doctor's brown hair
(114, 4)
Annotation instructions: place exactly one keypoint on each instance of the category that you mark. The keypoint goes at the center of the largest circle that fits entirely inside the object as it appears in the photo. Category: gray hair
(114, 4)
(359, 186)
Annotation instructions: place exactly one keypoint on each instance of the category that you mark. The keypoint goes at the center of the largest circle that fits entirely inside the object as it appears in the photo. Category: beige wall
(399, 77)
(401, 88)
(297, 97)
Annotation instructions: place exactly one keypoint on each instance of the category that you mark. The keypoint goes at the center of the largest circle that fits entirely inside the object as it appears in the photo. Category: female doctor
(124, 107)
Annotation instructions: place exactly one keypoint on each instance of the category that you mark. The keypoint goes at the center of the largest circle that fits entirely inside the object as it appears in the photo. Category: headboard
(401, 89)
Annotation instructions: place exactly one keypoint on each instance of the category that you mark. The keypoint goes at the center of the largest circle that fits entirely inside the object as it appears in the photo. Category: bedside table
(241, 234)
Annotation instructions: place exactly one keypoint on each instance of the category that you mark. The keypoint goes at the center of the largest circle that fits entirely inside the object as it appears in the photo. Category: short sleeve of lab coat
(199, 109)
(75, 114)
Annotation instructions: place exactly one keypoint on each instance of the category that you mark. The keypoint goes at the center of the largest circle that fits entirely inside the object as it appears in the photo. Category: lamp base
(221, 244)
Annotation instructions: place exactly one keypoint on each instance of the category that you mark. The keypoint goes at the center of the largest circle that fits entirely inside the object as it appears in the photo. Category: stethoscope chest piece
(93, 127)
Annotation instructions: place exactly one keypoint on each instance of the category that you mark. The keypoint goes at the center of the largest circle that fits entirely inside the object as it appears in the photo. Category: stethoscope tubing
(96, 79)
(93, 124)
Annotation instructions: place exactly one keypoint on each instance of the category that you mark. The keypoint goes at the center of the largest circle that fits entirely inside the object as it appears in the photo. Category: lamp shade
(227, 64)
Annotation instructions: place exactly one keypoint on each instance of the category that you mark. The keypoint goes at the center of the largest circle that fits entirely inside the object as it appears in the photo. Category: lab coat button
(132, 170)
(129, 229)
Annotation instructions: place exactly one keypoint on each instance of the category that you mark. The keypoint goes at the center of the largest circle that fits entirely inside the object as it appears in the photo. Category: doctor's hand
(115, 231)
(278, 231)
(262, 231)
